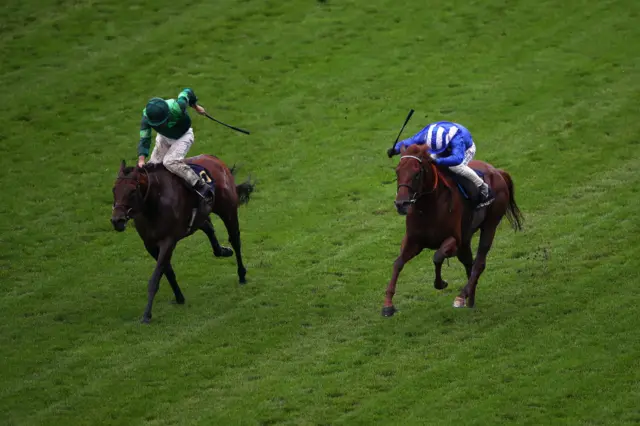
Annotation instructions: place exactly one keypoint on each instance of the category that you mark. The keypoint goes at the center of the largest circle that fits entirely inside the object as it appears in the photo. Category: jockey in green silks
(171, 121)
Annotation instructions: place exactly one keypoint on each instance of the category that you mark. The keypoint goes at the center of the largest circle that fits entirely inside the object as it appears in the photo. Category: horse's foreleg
(468, 293)
(170, 274)
(447, 249)
(218, 250)
(233, 229)
(165, 249)
(408, 251)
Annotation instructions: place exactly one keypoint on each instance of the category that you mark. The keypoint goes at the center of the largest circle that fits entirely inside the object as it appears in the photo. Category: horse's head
(415, 175)
(127, 195)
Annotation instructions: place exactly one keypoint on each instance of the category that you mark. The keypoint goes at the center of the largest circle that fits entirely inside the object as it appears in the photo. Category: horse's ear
(123, 164)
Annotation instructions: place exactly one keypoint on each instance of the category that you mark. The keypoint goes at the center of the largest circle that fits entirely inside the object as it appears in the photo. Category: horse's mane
(128, 170)
(154, 167)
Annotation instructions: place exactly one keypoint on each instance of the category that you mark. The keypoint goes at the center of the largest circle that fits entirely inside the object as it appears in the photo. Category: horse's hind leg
(447, 249)
(170, 274)
(218, 250)
(468, 293)
(233, 229)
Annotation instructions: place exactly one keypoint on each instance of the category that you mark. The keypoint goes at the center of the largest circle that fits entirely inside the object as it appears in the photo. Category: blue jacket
(447, 140)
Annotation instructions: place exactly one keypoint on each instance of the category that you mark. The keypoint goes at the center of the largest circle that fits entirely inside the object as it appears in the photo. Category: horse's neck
(152, 190)
(444, 180)
(431, 191)
(157, 178)
(162, 182)
(430, 187)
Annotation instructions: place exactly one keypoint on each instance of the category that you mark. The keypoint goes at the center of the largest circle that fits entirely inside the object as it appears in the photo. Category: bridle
(127, 209)
(417, 195)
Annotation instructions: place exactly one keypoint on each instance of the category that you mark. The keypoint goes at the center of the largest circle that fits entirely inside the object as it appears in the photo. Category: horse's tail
(514, 215)
(244, 190)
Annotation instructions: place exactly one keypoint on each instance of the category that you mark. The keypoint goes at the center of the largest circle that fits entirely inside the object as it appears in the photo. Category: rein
(417, 195)
(125, 207)
(146, 195)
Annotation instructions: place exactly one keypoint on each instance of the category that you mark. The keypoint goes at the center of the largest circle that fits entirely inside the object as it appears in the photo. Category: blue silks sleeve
(402, 143)
(456, 158)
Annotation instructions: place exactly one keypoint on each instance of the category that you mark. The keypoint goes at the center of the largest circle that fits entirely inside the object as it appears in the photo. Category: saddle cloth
(203, 173)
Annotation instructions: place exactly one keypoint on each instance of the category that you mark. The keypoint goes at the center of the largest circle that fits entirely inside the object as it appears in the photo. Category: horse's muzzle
(402, 207)
(119, 224)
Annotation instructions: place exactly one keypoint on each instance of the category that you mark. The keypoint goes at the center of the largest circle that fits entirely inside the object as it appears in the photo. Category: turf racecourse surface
(550, 91)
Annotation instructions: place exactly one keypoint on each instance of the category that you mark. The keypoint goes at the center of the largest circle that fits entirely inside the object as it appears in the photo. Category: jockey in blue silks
(450, 145)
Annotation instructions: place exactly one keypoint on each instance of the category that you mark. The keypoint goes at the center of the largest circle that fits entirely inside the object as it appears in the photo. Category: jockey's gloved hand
(391, 152)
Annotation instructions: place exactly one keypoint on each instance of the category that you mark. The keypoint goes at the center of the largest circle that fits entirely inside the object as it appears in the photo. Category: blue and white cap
(439, 136)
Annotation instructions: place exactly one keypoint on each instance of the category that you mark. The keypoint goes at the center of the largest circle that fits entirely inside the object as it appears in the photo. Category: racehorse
(440, 218)
(165, 211)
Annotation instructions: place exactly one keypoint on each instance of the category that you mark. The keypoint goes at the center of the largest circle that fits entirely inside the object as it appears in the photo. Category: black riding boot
(486, 196)
(206, 193)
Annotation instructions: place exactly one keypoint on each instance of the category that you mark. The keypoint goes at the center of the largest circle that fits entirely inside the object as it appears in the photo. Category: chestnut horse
(441, 219)
(165, 211)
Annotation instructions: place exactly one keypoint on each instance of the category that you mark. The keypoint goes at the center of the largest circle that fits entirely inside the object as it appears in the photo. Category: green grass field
(550, 91)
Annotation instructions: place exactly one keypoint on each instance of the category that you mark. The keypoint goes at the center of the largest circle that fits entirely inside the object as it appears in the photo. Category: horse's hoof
(145, 320)
(178, 301)
(243, 281)
(459, 302)
(440, 286)
(224, 252)
(388, 311)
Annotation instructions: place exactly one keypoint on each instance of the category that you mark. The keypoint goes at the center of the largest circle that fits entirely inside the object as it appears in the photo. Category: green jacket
(178, 124)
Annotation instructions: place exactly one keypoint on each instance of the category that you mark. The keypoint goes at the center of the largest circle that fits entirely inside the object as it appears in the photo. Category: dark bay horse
(162, 209)
(441, 219)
